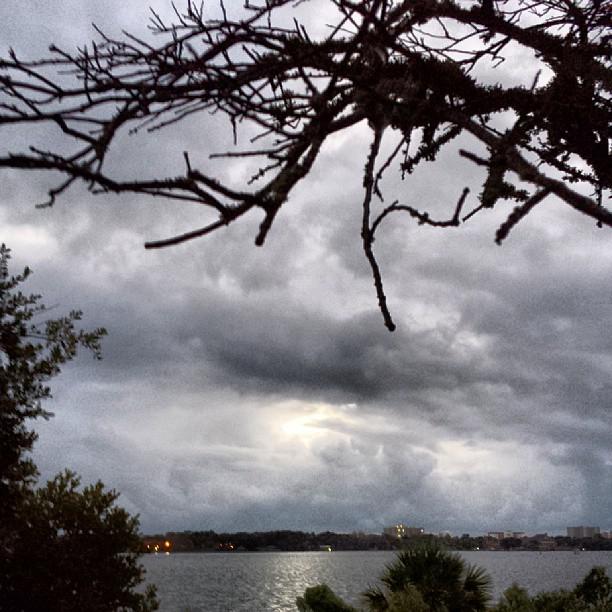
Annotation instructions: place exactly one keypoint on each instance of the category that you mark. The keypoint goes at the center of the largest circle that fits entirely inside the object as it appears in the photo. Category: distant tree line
(295, 541)
(284, 540)
(595, 543)
(535, 542)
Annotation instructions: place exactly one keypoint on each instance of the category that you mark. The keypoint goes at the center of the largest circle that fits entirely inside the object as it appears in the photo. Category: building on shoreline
(402, 531)
(582, 532)
(500, 535)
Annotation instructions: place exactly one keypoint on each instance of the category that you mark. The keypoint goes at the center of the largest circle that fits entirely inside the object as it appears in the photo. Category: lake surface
(270, 581)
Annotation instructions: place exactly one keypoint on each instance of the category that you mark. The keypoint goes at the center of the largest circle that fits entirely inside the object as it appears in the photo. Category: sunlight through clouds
(34, 240)
(319, 421)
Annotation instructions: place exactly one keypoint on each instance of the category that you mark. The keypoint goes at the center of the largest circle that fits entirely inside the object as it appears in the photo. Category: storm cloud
(249, 388)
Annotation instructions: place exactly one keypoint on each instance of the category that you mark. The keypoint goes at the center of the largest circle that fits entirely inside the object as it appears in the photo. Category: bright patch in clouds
(313, 421)
(34, 240)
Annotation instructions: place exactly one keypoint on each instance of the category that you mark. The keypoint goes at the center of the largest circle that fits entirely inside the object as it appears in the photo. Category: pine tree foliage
(76, 550)
(62, 547)
(32, 351)
(421, 74)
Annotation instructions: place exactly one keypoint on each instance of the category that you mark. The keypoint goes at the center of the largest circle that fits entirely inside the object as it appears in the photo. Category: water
(270, 582)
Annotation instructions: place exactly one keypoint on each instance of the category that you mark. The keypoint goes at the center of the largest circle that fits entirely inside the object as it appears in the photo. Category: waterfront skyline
(244, 388)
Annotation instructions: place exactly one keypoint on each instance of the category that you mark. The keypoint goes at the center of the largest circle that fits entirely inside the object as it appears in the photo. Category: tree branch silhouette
(417, 72)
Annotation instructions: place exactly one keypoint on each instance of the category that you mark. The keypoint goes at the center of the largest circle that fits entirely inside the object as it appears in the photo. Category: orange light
(167, 544)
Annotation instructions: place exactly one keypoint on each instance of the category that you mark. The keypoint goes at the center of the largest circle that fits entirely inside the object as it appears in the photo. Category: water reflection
(258, 582)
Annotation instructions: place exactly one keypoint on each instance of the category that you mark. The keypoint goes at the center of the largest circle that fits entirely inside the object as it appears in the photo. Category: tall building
(395, 531)
(401, 531)
(582, 532)
(414, 531)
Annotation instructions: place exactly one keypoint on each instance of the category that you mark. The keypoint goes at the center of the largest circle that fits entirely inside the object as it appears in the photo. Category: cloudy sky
(247, 388)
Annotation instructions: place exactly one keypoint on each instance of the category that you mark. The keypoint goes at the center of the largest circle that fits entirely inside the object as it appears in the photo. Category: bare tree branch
(419, 72)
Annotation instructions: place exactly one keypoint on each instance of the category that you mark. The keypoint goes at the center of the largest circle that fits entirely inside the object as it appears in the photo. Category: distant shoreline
(298, 541)
(240, 552)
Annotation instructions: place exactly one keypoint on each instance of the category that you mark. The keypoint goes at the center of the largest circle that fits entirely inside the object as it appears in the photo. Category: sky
(247, 388)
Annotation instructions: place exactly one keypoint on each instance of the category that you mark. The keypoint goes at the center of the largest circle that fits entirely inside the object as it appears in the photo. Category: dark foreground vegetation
(430, 579)
(62, 547)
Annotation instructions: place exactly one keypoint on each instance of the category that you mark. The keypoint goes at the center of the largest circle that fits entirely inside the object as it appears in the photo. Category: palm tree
(429, 578)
